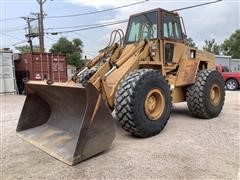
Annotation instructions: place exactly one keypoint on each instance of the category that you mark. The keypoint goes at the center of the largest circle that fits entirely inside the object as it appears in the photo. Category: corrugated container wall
(7, 76)
(42, 66)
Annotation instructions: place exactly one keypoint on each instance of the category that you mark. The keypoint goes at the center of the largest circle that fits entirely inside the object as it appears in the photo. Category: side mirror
(184, 36)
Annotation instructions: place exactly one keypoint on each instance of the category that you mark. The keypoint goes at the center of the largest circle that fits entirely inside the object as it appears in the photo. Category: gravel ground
(188, 148)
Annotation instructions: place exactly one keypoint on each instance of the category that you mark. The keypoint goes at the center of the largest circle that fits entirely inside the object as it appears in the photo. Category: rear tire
(232, 84)
(206, 97)
(143, 103)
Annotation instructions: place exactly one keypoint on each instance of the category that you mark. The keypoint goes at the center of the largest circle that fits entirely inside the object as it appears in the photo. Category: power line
(12, 36)
(61, 8)
(203, 4)
(87, 28)
(13, 30)
(19, 43)
(99, 11)
(50, 38)
(86, 25)
(84, 35)
(110, 9)
(78, 26)
(10, 19)
(82, 14)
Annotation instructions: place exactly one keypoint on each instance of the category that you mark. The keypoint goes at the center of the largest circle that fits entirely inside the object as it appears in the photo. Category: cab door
(172, 35)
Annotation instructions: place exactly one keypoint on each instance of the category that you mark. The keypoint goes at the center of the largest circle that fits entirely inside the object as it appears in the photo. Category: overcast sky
(217, 21)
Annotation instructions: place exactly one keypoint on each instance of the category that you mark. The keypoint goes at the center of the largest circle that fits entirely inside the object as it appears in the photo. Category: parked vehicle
(232, 79)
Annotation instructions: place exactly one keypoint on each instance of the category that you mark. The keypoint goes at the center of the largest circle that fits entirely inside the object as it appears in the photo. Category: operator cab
(155, 24)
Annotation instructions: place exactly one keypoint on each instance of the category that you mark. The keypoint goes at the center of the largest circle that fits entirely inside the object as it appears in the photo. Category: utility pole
(29, 34)
(41, 28)
(41, 43)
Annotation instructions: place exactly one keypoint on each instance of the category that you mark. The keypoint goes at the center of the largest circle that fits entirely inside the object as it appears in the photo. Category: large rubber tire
(232, 84)
(85, 76)
(199, 98)
(130, 100)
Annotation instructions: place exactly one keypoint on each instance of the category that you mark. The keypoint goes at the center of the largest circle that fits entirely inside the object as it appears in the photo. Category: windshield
(143, 26)
(225, 69)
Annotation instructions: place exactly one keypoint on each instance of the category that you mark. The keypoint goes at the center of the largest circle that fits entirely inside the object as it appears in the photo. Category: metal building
(232, 64)
(7, 72)
(223, 60)
(235, 65)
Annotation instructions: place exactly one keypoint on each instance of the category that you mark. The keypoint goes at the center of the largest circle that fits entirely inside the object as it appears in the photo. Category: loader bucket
(69, 122)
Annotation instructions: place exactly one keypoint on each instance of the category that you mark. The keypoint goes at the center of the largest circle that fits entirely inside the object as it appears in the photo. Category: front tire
(205, 98)
(143, 103)
(232, 84)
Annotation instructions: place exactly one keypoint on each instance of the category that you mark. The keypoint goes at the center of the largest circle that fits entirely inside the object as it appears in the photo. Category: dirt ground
(188, 148)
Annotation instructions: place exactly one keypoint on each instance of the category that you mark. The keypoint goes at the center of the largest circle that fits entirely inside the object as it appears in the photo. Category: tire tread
(125, 100)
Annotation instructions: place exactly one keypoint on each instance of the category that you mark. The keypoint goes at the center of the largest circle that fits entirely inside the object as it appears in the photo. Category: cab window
(172, 27)
(141, 27)
(178, 29)
(167, 26)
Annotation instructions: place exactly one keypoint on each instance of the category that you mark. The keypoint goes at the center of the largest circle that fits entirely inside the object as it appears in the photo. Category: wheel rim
(215, 95)
(231, 85)
(154, 104)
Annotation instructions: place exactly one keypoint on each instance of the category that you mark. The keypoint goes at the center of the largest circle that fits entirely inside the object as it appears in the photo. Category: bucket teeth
(68, 122)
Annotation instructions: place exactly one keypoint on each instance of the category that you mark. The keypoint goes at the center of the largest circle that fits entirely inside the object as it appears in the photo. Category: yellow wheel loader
(136, 77)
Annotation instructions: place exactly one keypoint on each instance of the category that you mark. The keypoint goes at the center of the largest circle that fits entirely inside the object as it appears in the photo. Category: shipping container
(7, 75)
(40, 66)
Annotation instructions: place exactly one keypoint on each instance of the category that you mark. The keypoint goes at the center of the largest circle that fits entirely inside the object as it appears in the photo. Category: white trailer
(7, 72)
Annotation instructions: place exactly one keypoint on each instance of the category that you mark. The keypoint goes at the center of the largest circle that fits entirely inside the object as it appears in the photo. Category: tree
(72, 49)
(212, 46)
(231, 46)
(191, 43)
(26, 48)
